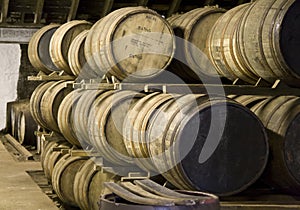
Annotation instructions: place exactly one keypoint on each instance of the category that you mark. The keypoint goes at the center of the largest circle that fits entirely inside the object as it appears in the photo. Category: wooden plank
(4, 11)
(73, 10)
(16, 35)
(23, 151)
(174, 7)
(257, 206)
(38, 11)
(107, 7)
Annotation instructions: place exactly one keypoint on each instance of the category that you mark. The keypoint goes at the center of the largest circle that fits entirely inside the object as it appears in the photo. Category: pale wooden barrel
(77, 60)
(61, 41)
(49, 157)
(63, 177)
(50, 103)
(26, 128)
(194, 27)
(88, 185)
(177, 120)
(65, 118)
(273, 25)
(38, 49)
(223, 47)
(81, 115)
(281, 117)
(106, 124)
(126, 59)
(135, 128)
(35, 102)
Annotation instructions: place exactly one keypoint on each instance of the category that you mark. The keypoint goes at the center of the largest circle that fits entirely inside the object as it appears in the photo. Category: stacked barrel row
(182, 137)
(76, 180)
(258, 40)
(132, 42)
(248, 42)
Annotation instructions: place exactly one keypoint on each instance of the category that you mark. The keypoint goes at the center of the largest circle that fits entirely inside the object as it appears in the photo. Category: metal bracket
(137, 176)
(54, 76)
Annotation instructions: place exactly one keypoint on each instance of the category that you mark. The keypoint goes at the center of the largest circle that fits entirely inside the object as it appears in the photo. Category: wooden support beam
(22, 150)
(209, 2)
(38, 11)
(174, 7)
(143, 2)
(73, 10)
(107, 7)
(240, 2)
(4, 11)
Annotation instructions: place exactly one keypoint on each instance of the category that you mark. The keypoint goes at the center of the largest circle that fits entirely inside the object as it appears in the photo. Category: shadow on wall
(10, 59)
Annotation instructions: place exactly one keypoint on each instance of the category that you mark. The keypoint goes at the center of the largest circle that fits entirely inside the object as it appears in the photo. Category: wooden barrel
(51, 101)
(106, 124)
(238, 160)
(194, 27)
(81, 115)
(49, 157)
(63, 177)
(281, 116)
(61, 41)
(38, 49)
(248, 100)
(65, 118)
(274, 27)
(35, 103)
(88, 185)
(135, 128)
(26, 128)
(133, 43)
(16, 108)
(223, 47)
(77, 60)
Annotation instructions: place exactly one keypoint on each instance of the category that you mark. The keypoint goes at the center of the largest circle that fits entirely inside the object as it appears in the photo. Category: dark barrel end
(228, 164)
(290, 37)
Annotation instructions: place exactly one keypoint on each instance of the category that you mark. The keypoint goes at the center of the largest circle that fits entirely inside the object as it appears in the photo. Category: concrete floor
(17, 190)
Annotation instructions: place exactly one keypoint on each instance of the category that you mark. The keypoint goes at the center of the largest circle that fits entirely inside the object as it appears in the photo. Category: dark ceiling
(38, 12)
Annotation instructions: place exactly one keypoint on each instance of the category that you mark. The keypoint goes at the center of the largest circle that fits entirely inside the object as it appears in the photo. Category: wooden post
(142, 3)
(38, 11)
(107, 7)
(4, 11)
(73, 10)
(209, 2)
(174, 7)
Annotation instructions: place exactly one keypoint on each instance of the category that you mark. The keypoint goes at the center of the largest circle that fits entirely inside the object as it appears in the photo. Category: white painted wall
(10, 60)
